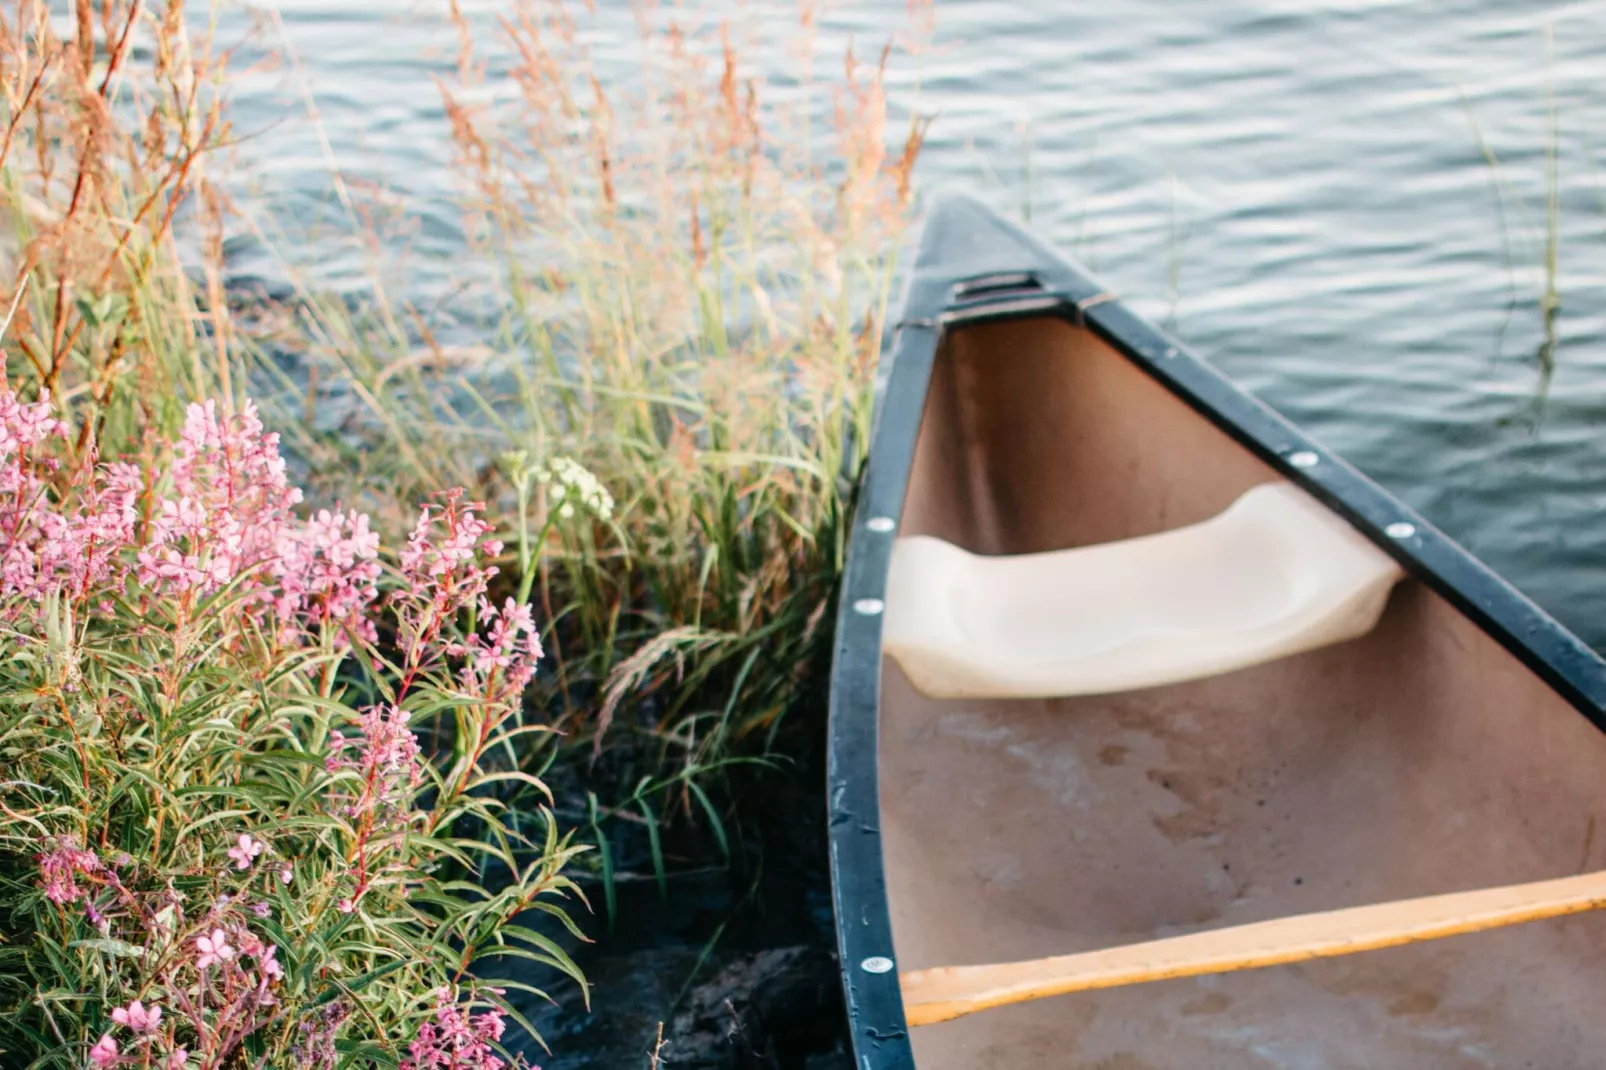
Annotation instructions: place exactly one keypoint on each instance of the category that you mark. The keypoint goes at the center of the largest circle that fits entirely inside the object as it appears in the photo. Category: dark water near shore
(1301, 195)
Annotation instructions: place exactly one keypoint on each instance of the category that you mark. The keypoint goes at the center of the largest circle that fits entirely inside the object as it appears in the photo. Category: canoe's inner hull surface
(1422, 758)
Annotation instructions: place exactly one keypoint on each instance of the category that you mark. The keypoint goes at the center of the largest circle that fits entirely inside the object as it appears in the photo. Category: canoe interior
(1422, 758)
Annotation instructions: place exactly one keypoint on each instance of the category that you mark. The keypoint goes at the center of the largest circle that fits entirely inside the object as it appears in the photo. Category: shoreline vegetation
(313, 729)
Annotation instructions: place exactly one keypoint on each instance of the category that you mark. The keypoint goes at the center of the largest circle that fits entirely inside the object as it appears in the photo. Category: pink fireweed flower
(81, 549)
(431, 556)
(456, 1039)
(439, 572)
(248, 943)
(506, 655)
(136, 1017)
(25, 508)
(176, 1059)
(387, 753)
(212, 948)
(334, 761)
(59, 867)
(231, 509)
(265, 953)
(244, 850)
(385, 772)
(327, 571)
(286, 872)
(261, 908)
(104, 1053)
(24, 425)
(389, 745)
(255, 947)
(220, 460)
(230, 516)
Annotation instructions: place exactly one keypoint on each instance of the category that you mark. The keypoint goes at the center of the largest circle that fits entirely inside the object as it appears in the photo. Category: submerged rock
(632, 992)
(770, 1010)
(777, 1009)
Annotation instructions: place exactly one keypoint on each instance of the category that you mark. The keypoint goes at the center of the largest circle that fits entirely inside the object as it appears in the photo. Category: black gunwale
(965, 242)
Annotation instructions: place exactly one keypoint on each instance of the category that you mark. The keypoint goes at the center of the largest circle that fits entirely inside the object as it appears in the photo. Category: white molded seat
(1275, 574)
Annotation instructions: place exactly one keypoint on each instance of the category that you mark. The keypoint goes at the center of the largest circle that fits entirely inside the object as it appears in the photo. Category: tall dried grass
(108, 129)
(691, 272)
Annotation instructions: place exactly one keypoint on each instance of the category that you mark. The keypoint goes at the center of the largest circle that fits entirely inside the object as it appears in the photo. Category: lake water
(1302, 195)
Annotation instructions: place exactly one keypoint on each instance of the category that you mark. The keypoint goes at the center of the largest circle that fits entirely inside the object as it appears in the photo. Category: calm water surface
(1301, 195)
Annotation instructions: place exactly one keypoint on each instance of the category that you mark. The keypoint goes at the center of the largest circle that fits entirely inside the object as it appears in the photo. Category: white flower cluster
(570, 484)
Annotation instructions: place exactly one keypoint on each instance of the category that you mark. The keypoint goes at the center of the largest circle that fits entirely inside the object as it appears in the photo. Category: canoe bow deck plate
(1135, 684)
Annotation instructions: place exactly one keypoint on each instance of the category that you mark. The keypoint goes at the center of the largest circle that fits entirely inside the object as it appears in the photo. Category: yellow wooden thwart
(944, 992)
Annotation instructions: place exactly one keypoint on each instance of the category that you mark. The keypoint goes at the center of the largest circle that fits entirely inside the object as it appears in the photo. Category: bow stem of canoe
(942, 993)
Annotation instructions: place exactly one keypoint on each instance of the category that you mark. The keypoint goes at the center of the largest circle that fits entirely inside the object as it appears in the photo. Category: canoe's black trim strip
(973, 267)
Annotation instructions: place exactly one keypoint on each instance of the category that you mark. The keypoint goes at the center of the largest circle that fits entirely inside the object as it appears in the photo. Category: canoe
(1161, 737)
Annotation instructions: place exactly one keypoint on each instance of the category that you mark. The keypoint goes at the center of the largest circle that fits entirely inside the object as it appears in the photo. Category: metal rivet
(870, 607)
(1400, 529)
(1303, 459)
(876, 964)
(881, 524)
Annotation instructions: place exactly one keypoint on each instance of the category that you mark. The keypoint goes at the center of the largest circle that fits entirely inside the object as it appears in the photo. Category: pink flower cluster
(388, 767)
(221, 518)
(502, 661)
(232, 497)
(327, 570)
(442, 548)
(231, 516)
(59, 867)
(137, 1017)
(265, 954)
(221, 980)
(441, 575)
(44, 548)
(235, 997)
(388, 750)
(455, 1039)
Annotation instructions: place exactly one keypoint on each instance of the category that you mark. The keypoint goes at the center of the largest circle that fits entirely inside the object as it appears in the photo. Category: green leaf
(338, 989)
(115, 948)
(656, 848)
(713, 819)
(605, 857)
